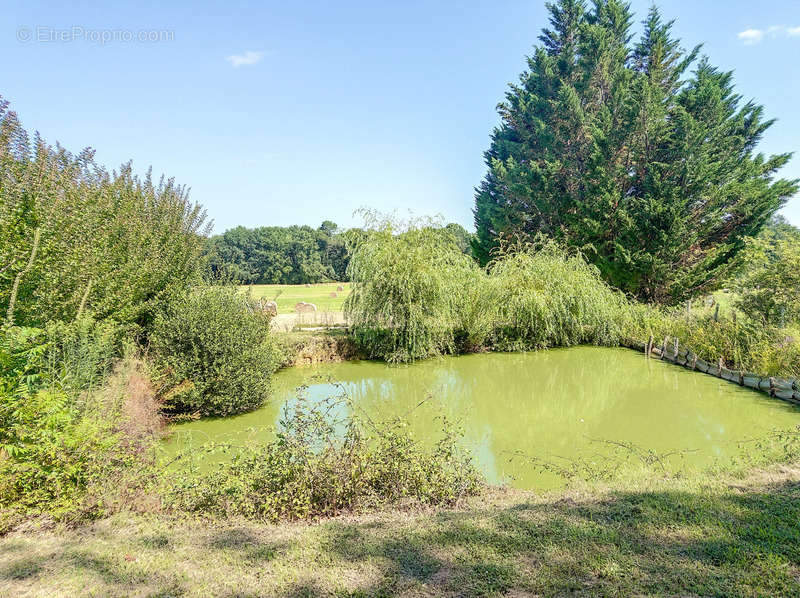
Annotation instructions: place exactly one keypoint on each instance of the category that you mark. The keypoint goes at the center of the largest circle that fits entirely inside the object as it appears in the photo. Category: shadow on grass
(736, 542)
(125, 573)
(673, 543)
(246, 545)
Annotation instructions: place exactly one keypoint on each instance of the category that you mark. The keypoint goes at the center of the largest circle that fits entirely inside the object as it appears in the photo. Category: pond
(534, 419)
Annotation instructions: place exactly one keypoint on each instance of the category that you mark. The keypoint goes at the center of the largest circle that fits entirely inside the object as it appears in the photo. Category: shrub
(58, 451)
(63, 439)
(318, 466)
(77, 239)
(214, 352)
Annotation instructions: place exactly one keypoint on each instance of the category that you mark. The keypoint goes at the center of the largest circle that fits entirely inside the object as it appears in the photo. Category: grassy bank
(306, 347)
(730, 536)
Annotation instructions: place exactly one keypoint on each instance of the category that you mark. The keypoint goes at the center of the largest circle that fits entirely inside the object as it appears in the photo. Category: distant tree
(279, 255)
(328, 228)
(617, 149)
(333, 248)
(769, 286)
(462, 236)
(779, 229)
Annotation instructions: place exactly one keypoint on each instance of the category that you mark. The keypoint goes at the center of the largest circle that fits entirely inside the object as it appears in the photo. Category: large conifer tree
(638, 154)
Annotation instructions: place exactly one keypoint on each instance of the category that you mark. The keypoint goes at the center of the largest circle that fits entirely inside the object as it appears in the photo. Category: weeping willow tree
(75, 238)
(545, 296)
(415, 294)
(408, 278)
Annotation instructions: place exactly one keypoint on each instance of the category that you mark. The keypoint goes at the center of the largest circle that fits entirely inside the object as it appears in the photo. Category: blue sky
(278, 113)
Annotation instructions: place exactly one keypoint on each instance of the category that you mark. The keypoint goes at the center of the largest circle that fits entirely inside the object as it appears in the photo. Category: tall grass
(741, 342)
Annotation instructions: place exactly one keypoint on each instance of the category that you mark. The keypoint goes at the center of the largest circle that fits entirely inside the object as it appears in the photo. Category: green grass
(707, 537)
(289, 294)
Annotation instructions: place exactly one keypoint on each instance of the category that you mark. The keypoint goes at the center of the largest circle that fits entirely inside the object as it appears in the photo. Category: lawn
(715, 537)
(287, 295)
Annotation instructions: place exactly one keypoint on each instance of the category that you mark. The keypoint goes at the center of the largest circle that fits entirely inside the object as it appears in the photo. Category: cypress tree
(638, 154)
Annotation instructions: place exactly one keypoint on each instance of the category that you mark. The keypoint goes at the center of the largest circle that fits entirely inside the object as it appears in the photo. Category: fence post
(716, 313)
(771, 386)
(664, 347)
(721, 364)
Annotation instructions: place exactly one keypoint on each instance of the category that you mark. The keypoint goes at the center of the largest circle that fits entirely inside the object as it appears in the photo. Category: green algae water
(534, 420)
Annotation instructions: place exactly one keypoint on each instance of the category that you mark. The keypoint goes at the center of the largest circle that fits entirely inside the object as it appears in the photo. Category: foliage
(415, 295)
(319, 465)
(213, 347)
(615, 148)
(770, 285)
(545, 297)
(279, 255)
(80, 355)
(61, 433)
(407, 280)
(76, 239)
(293, 254)
(742, 343)
(463, 237)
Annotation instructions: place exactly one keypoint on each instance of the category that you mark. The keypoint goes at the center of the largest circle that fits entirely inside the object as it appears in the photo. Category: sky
(278, 113)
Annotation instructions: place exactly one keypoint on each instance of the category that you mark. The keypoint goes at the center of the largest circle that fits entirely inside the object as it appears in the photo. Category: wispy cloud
(248, 58)
(751, 37)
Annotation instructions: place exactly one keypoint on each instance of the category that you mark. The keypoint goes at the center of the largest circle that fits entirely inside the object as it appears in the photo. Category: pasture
(286, 295)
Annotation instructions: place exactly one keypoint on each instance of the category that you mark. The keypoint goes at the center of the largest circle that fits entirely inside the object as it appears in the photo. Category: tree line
(768, 283)
(293, 254)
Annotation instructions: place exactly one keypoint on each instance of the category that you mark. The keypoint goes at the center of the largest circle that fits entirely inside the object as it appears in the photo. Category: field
(718, 537)
(287, 295)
